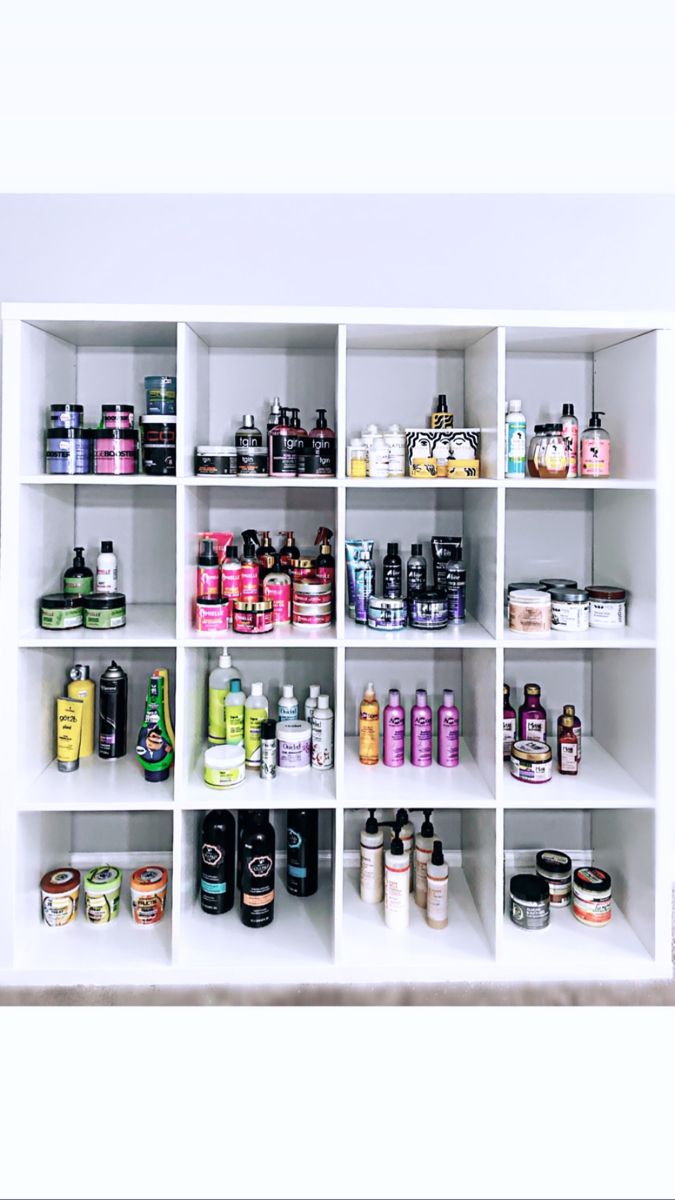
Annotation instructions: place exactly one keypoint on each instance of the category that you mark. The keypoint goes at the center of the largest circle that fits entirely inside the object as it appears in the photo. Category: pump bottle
(283, 447)
(437, 889)
(249, 583)
(396, 885)
(78, 579)
(220, 682)
(301, 441)
(424, 844)
(595, 449)
(371, 883)
(319, 458)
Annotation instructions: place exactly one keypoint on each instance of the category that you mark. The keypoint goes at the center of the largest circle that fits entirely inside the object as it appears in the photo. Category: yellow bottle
(369, 728)
(81, 687)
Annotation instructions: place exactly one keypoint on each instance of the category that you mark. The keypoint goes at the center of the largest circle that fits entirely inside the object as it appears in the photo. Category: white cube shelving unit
(361, 365)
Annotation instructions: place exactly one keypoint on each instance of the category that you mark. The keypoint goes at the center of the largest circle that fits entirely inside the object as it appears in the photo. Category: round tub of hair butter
(224, 766)
(60, 893)
(160, 395)
(608, 606)
(148, 894)
(530, 611)
(294, 743)
(102, 887)
(61, 610)
(104, 610)
(531, 761)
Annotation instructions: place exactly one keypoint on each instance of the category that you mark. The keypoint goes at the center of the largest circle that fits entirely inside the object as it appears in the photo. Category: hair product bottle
(268, 749)
(256, 710)
(112, 712)
(570, 711)
(322, 735)
(81, 687)
(509, 722)
(78, 580)
(532, 715)
(220, 682)
(234, 714)
(230, 582)
(421, 731)
(249, 582)
(424, 844)
(106, 569)
(289, 553)
(369, 727)
(324, 563)
(392, 580)
(396, 885)
(456, 583)
(440, 417)
(515, 441)
(393, 721)
(217, 859)
(274, 415)
(302, 851)
(266, 555)
(364, 585)
(437, 889)
(208, 571)
(257, 870)
(416, 572)
(371, 882)
(553, 462)
(154, 746)
(568, 748)
(312, 700)
(301, 440)
(570, 432)
(320, 450)
(407, 836)
(283, 447)
(532, 463)
(595, 449)
(251, 454)
(448, 731)
(288, 708)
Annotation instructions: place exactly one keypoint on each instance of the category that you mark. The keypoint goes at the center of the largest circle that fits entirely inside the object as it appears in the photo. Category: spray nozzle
(250, 537)
(427, 829)
(371, 823)
(437, 854)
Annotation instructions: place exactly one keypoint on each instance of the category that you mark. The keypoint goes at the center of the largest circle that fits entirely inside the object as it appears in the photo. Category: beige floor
(532, 994)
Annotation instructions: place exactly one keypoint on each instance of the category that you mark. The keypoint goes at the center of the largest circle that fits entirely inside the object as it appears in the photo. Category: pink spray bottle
(448, 731)
(421, 754)
(394, 731)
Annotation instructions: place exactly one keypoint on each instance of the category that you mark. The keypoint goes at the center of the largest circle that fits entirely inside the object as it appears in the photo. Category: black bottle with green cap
(78, 580)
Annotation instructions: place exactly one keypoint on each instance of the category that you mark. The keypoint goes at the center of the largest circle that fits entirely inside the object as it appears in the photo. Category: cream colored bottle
(437, 889)
(396, 886)
(371, 883)
(424, 844)
(81, 687)
(407, 836)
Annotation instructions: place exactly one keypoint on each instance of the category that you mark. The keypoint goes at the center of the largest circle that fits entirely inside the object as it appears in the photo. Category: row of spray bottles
(414, 863)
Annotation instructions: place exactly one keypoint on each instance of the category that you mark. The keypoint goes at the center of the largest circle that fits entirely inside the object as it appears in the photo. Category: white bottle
(288, 708)
(396, 885)
(355, 444)
(437, 889)
(424, 844)
(395, 442)
(106, 569)
(312, 700)
(378, 459)
(407, 836)
(371, 883)
(322, 735)
(219, 688)
(256, 710)
(515, 447)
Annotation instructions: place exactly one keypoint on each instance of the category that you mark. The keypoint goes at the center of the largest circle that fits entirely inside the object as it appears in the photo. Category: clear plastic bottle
(595, 449)
(535, 442)
(570, 429)
(369, 727)
(553, 461)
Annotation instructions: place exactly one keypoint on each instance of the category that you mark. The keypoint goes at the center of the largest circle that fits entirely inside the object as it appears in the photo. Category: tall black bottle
(112, 712)
(216, 858)
(256, 902)
(302, 846)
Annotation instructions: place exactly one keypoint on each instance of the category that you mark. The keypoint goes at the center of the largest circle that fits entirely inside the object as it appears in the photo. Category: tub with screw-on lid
(570, 609)
(224, 766)
(148, 888)
(592, 896)
(60, 890)
(102, 888)
(556, 868)
(529, 611)
(607, 606)
(294, 743)
(529, 902)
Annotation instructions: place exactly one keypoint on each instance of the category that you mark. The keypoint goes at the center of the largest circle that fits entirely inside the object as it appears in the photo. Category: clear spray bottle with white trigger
(372, 861)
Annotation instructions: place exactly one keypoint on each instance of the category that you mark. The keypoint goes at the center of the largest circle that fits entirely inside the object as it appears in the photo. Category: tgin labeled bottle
(283, 447)
(251, 453)
(302, 851)
(217, 862)
(319, 459)
(532, 715)
(256, 907)
(112, 715)
(509, 727)
(392, 580)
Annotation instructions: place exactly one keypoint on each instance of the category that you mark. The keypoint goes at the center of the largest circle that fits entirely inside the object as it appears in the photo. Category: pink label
(121, 461)
(301, 619)
(280, 595)
(113, 420)
(249, 581)
(211, 618)
(595, 457)
(208, 583)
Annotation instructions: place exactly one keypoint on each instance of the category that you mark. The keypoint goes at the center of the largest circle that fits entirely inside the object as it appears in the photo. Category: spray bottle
(437, 889)
(289, 553)
(267, 555)
(407, 836)
(249, 583)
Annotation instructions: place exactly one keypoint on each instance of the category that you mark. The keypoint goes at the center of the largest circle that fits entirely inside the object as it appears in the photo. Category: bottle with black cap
(595, 448)
(268, 749)
(302, 851)
(106, 569)
(424, 844)
(416, 573)
(441, 418)
(251, 453)
(112, 712)
(79, 579)
(570, 432)
(371, 883)
(301, 441)
(407, 836)
(217, 857)
(256, 907)
(392, 573)
(397, 884)
(318, 460)
(437, 888)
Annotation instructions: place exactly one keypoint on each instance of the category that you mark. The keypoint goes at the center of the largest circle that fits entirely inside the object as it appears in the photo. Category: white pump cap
(256, 689)
(225, 660)
(287, 691)
(314, 690)
(323, 701)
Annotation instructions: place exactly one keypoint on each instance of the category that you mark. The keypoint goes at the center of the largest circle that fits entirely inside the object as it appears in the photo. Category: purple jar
(68, 451)
(115, 451)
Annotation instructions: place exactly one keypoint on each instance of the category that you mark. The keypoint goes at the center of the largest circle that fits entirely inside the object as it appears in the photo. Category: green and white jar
(105, 610)
(224, 766)
(102, 889)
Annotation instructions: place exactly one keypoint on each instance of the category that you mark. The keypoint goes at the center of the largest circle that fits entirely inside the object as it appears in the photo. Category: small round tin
(556, 868)
(608, 606)
(386, 613)
(429, 610)
(66, 416)
(117, 416)
(216, 460)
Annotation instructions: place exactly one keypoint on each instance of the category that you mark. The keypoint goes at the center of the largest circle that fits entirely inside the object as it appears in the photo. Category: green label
(78, 586)
(61, 618)
(217, 698)
(228, 777)
(253, 719)
(104, 618)
(234, 724)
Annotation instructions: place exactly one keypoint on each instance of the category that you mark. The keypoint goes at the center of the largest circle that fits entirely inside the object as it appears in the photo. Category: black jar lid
(531, 889)
(112, 434)
(554, 862)
(57, 408)
(593, 879)
(61, 600)
(431, 597)
(115, 408)
(104, 600)
(210, 600)
(67, 431)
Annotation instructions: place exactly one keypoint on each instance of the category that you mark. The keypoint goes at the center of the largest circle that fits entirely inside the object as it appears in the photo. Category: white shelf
(257, 481)
(593, 639)
(601, 783)
(289, 789)
(102, 480)
(147, 625)
(566, 949)
(460, 951)
(283, 636)
(408, 484)
(97, 786)
(470, 634)
(418, 787)
(580, 485)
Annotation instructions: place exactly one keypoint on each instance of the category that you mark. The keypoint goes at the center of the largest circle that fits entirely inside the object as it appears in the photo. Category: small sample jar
(312, 590)
(148, 887)
(358, 462)
(68, 451)
(530, 611)
(102, 888)
(312, 614)
(429, 610)
(216, 460)
(532, 761)
(607, 606)
(160, 395)
(60, 891)
(158, 445)
(592, 896)
(117, 416)
(570, 610)
(529, 903)
(294, 744)
(301, 568)
(556, 868)
(66, 416)
(253, 616)
(61, 610)
(211, 614)
(115, 451)
(549, 584)
(224, 766)
(104, 610)
(386, 613)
